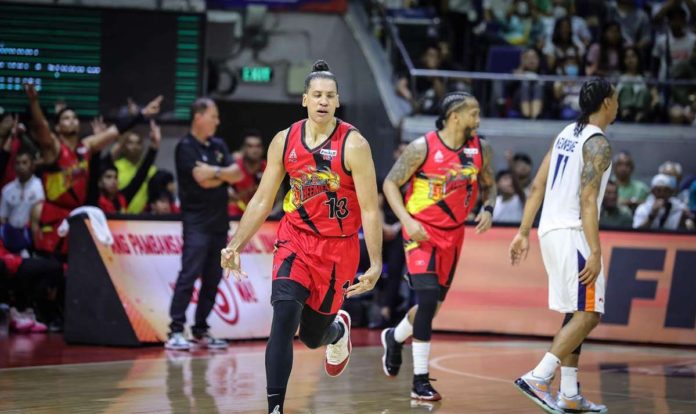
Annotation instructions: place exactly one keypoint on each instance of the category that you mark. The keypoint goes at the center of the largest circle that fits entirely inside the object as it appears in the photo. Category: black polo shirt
(202, 209)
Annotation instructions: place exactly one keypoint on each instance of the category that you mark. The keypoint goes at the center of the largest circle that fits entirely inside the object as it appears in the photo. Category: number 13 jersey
(322, 198)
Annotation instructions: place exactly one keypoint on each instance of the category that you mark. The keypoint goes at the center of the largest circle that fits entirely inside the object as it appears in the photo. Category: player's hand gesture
(230, 261)
(31, 92)
(365, 282)
(416, 231)
(484, 220)
(519, 249)
(155, 134)
(593, 266)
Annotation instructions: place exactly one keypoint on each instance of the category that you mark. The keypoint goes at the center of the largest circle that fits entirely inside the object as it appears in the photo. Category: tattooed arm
(489, 191)
(596, 155)
(404, 168)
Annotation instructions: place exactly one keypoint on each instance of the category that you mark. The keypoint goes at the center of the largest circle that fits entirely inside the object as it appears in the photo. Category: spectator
(132, 149)
(162, 181)
(634, 95)
(566, 8)
(111, 199)
(683, 105)
(613, 214)
(520, 164)
(604, 58)
(692, 197)
(634, 22)
(509, 204)
(674, 46)
(631, 192)
(674, 169)
(563, 44)
(13, 137)
(18, 198)
(161, 203)
(594, 13)
(523, 27)
(663, 211)
(567, 93)
(36, 282)
(429, 91)
(252, 166)
(529, 97)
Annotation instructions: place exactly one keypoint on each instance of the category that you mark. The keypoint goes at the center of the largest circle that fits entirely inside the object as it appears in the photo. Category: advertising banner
(650, 297)
(330, 6)
(144, 263)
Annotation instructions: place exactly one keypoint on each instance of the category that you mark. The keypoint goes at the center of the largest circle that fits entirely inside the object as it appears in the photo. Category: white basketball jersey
(561, 208)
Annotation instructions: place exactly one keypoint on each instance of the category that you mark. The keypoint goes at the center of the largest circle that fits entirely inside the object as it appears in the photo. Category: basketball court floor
(40, 374)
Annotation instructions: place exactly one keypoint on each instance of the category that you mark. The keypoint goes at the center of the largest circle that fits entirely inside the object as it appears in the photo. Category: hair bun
(320, 66)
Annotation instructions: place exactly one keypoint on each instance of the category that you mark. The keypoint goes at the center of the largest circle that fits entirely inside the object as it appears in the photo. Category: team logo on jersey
(311, 183)
(471, 151)
(328, 154)
(439, 157)
(293, 156)
(452, 179)
(219, 156)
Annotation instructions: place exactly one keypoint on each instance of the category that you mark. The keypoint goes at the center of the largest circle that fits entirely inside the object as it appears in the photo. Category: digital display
(96, 59)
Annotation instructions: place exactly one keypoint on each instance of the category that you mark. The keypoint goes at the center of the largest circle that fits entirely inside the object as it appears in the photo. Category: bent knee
(310, 342)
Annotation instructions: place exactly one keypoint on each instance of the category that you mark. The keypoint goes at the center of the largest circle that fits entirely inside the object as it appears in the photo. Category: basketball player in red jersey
(333, 190)
(445, 169)
(65, 171)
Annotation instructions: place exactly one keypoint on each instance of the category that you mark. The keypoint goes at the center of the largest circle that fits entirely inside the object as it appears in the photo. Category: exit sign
(256, 74)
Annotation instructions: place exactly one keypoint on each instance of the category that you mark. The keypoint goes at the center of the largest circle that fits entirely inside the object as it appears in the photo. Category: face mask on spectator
(571, 70)
(559, 12)
(522, 8)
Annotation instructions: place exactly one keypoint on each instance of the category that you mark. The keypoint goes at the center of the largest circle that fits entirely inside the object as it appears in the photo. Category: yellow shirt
(126, 172)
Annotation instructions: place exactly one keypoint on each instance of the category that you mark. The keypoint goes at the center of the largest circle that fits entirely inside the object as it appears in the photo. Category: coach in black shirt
(204, 168)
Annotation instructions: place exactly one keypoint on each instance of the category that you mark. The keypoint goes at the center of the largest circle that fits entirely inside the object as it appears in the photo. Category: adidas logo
(293, 156)
(439, 157)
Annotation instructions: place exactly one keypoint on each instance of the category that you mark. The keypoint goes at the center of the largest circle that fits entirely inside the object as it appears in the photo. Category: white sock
(403, 330)
(547, 366)
(421, 354)
(569, 381)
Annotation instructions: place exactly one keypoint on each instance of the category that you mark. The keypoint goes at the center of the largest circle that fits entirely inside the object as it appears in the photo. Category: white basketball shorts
(564, 252)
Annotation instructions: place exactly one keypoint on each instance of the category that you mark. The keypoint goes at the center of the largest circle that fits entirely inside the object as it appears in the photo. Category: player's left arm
(358, 159)
(596, 155)
(489, 191)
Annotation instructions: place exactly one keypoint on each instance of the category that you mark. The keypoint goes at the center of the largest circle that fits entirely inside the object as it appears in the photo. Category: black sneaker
(422, 390)
(391, 360)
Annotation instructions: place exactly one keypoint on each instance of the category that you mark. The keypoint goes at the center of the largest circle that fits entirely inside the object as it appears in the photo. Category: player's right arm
(596, 155)
(520, 244)
(48, 143)
(404, 168)
(258, 209)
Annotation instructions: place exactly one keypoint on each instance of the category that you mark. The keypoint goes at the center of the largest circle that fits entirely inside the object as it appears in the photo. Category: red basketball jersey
(322, 197)
(67, 179)
(444, 189)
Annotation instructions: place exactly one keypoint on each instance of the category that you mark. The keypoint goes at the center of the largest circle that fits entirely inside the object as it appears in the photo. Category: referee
(203, 168)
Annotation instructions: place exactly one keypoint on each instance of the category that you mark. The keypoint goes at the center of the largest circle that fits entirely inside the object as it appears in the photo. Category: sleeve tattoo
(488, 186)
(596, 154)
(407, 164)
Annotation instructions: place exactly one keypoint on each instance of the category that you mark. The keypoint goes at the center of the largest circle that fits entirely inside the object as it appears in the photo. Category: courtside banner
(144, 263)
(650, 297)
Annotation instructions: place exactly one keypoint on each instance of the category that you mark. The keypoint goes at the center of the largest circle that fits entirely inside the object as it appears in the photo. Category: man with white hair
(662, 210)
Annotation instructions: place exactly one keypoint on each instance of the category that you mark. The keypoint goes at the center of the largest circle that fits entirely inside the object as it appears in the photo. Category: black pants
(38, 283)
(395, 258)
(200, 257)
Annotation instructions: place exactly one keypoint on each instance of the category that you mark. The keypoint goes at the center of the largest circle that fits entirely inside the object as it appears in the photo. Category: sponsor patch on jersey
(293, 156)
(439, 157)
(328, 154)
(471, 151)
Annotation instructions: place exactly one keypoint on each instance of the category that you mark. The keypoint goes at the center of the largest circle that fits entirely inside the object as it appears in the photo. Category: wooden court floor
(473, 375)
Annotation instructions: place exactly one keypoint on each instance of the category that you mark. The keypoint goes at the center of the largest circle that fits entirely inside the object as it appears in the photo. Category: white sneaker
(19, 322)
(38, 327)
(177, 342)
(578, 404)
(338, 354)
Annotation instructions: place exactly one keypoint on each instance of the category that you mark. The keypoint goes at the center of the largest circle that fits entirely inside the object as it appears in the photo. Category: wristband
(488, 209)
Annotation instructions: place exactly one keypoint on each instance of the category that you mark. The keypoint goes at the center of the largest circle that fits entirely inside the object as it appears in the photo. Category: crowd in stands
(637, 43)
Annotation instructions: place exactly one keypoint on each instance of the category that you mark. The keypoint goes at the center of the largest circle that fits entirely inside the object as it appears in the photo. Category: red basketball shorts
(321, 267)
(436, 256)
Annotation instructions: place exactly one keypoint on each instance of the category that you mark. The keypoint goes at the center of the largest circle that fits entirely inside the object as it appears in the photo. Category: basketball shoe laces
(338, 352)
